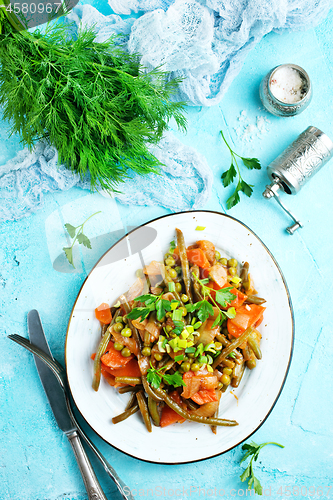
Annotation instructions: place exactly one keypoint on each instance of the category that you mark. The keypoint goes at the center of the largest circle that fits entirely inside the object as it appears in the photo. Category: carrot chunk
(196, 256)
(103, 313)
(246, 315)
(204, 396)
(169, 416)
(113, 358)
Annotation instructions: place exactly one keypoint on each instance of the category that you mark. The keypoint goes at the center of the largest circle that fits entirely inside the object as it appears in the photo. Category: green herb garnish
(154, 378)
(77, 233)
(93, 101)
(205, 309)
(152, 303)
(229, 175)
(253, 449)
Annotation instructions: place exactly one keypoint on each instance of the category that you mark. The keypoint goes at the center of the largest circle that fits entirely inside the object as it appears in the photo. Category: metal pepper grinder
(295, 166)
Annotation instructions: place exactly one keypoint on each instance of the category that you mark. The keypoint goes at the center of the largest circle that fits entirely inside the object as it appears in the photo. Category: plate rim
(291, 345)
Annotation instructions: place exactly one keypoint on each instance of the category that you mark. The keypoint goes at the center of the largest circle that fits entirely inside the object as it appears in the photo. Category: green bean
(237, 373)
(135, 333)
(196, 286)
(131, 401)
(228, 363)
(128, 380)
(152, 407)
(149, 389)
(189, 416)
(100, 351)
(125, 414)
(253, 299)
(244, 274)
(254, 344)
(184, 263)
(214, 427)
(251, 363)
(130, 388)
(168, 279)
(221, 338)
(144, 409)
(232, 346)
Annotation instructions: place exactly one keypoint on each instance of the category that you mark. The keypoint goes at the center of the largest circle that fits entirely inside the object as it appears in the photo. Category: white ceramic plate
(259, 389)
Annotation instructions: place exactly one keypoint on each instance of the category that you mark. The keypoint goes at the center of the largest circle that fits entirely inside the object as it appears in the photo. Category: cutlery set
(54, 380)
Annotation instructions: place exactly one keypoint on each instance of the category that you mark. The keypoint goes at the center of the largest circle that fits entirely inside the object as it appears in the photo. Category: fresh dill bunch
(92, 101)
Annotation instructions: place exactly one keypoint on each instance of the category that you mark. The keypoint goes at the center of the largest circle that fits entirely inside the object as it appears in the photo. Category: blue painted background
(36, 461)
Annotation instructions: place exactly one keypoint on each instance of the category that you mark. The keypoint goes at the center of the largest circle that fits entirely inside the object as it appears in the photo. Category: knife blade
(57, 400)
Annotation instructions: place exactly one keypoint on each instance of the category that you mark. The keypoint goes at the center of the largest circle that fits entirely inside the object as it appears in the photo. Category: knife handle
(90, 480)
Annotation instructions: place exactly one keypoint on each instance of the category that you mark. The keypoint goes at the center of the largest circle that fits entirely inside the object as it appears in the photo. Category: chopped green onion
(179, 358)
(182, 343)
(231, 355)
(199, 350)
(172, 245)
(210, 368)
(177, 315)
(174, 304)
(189, 350)
(203, 359)
(171, 286)
(200, 228)
(184, 334)
(190, 328)
(236, 279)
(209, 359)
(197, 325)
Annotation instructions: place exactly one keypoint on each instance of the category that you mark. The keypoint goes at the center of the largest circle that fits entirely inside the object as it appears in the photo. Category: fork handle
(90, 480)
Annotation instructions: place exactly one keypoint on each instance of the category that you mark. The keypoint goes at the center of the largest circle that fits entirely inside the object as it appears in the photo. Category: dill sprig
(92, 101)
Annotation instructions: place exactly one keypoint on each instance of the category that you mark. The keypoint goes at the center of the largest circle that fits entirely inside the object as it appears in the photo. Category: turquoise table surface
(36, 460)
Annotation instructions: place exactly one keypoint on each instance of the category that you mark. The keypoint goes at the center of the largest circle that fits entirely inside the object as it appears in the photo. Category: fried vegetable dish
(181, 336)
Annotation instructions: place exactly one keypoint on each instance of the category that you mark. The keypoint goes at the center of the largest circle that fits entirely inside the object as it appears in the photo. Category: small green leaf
(147, 299)
(229, 175)
(233, 199)
(153, 378)
(175, 379)
(246, 188)
(251, 163)
(224, 296)
(69, 254)
(205, 310)
(139, 312)
(70, 229)
(84, 240)
(245, 474)
(257, 486)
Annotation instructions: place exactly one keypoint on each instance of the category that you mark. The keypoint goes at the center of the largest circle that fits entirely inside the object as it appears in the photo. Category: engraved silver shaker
(295, 166)
(281, 108)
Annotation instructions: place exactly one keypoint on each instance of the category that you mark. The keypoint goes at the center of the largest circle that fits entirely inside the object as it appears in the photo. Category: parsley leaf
(204, 310)
(234, 171)
(153, 378)
(248, 474)
(139, 312)
(251, 163)
(175, 379)
(162, 306)
(224, 296)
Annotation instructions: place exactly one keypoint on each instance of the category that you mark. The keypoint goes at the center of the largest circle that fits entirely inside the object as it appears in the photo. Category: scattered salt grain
(287, 85)
(248, 130)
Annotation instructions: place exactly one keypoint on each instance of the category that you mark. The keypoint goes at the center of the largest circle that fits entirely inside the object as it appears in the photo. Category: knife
(57, 400)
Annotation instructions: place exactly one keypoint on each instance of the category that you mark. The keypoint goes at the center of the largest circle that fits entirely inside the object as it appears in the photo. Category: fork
(60, 373)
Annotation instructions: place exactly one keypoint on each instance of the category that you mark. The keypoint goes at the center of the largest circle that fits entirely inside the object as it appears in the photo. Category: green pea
(126, 332)
(118, 327)
(191, 355)
(168, 328)
(186, 366)
(168, 314)
(178, 269)
(195, 367)
(158, 356)
(232, 263)
(170, 261)
(172, 273)
(183, 310)
(126, 352)
(223, 261)
(178, 287)
(119, 319)
(219, 385)
(217, 255)
(118, 346)
(232, 271)
(184, 298)
(146, 351)
(227, 371)
(225, 379)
